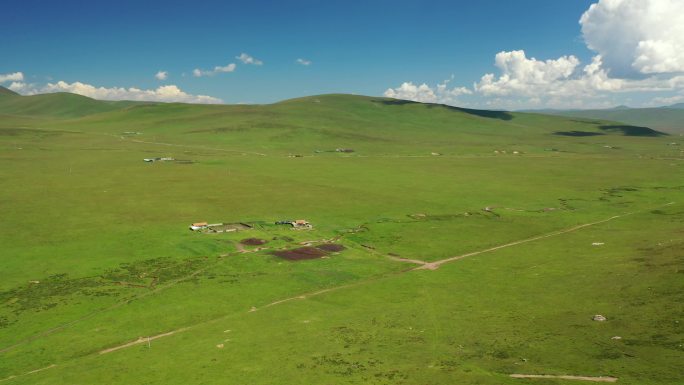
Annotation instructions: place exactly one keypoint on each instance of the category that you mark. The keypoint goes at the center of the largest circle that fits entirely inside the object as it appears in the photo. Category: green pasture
(96, 251)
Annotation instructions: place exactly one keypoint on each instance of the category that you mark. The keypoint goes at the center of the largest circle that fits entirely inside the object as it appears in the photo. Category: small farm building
(198, 226)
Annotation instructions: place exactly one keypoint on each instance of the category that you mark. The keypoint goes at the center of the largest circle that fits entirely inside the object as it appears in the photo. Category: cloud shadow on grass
(632, 130)
(578, 133)
(502, 115)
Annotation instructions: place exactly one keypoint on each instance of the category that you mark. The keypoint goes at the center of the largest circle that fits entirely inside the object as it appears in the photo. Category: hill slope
(55, 105)
(7, 92)
(666, 119)
(351, 116)
(334, 115)
(326, 122)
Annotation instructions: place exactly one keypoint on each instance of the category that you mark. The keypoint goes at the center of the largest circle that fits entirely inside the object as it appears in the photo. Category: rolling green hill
(667, 119)
(7, 92)
(55, 105)
(313, 113)
(468, 245)
(325, 121)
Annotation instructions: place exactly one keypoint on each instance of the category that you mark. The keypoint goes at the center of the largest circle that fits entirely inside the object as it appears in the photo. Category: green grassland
(96, 250)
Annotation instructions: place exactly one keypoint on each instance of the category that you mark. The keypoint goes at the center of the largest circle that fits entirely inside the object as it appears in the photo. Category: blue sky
(365, 47)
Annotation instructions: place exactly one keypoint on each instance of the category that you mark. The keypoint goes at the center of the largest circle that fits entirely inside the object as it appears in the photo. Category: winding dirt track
(424, 266)
(313, 294)
(142, 340)
(435, 265)
(577, 378)
(414, 261)
(27, 373)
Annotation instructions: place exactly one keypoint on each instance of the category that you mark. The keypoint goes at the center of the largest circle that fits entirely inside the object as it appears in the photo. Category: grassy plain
(96, 251)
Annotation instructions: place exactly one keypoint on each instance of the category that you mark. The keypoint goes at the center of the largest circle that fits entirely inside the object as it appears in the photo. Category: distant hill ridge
(668, 119)
(55, 105)
(339, 108)
(621, 107)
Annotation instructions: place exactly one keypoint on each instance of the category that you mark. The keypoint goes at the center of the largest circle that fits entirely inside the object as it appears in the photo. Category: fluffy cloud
(170, 93)
(13, 77)
(161, 75)
(520, 75)
(409, 91)
(217, 70)
(562, 77)
(246, 59)
(19, 87)
(639, 46)
(666, 101)
(525, 82)
(595, 78)
(520, 79)
(636, 37)
(426, 94)
(304, 62)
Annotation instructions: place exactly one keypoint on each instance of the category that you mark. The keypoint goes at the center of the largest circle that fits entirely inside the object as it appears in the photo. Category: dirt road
(435, 265)
(142, 340)
(577, 378)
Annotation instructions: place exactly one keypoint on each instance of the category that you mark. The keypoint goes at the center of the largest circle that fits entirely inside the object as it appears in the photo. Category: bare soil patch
(331, 247)
(253, 241)
(300, 253)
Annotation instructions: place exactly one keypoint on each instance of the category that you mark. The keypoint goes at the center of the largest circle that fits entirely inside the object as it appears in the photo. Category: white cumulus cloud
(425, 94)
(520, 75)
(639, 47)
(217, 70)
(304, 62)
(13, 77)
(162, 75)
(636, 37)
(169, 93)
(247, 59)
(409, 91)
(666, 101)
(19, 87)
